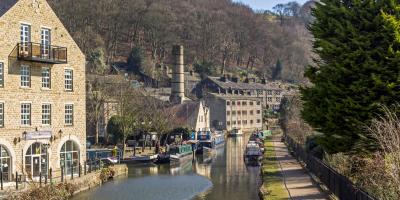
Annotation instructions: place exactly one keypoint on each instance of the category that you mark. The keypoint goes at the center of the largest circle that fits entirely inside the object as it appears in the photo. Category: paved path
(298, 181)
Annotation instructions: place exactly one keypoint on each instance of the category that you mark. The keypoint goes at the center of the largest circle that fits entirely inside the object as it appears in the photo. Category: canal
(221, 176)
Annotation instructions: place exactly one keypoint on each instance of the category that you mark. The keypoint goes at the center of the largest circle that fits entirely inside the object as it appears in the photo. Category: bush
(61, 191)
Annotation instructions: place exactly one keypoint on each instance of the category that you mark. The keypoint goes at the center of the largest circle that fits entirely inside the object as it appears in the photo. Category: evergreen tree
(276, 73)
(136, 60)
(358, 45)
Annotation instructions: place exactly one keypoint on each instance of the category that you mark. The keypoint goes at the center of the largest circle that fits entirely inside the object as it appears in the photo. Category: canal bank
(220, 176)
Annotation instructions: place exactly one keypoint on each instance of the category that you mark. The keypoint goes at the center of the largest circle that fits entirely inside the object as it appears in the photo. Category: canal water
(218, 177)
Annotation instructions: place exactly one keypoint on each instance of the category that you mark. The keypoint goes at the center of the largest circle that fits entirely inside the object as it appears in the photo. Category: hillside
(218, 34)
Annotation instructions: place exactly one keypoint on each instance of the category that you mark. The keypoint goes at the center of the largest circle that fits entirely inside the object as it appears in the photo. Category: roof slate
(238, 86)
(5, 5)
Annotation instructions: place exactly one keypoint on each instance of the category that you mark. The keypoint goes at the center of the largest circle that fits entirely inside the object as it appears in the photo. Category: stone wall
(38, 14)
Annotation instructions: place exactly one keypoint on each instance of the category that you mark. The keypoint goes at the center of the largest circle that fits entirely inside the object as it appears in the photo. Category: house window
(244, 112)
(239, 112)
(258, 121)
(1, 114)
(69, 114)
(25, 33)
(26, 114)
(233, 112)
(258, 111)
(25, 76)
(278, 99)
(234, 122)
(69, 157)
(45, 42)
(258, 102)
(228, 123)
(227, 103)
(244, 103)
(251, 112)
(251, 121)
(269, 99)
(46, 77)
(233, 103)
(239, 122)
(228, 112)
(251, 103)
(269, 92)
(238, 103)
(69, 79)
(1, 74)
(46, 114)
(245, 122)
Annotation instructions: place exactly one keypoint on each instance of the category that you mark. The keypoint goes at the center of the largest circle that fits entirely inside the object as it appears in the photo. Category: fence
(54, 176)
(338, 184)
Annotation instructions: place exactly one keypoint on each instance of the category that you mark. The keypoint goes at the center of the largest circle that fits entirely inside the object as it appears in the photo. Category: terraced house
(42, 92)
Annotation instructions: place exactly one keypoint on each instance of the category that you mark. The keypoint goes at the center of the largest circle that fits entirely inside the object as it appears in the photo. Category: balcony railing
(36, 52)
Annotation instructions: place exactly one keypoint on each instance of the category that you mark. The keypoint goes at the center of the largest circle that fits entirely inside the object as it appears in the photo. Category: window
(233, 103)
(239, 112)
(244, 112)
(245, 122)
(46, 114)
(228, 112)
(269, 99)
(1, 114)
(69, 114)
(251, 121)
(269, 92)
(251, 112)
(227, 103)
(5, 161)
(228, 123)
(278, 99)
(46, 77)
(25, 76)
(258, 111)
(258, 102)
(25, 33)
(69, 157)
(26, 114)
(239, 122)
(45, 42)
(244, 103)
(233, 112)
(251, 103)
(238, 103)
(234, 122)
(258, 121)
(1, 74)
(69, 80)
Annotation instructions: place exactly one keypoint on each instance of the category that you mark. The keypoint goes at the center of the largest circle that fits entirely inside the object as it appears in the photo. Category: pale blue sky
(266, 4)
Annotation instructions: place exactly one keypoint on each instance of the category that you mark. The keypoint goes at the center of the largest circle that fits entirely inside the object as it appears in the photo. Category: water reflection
(222, 175)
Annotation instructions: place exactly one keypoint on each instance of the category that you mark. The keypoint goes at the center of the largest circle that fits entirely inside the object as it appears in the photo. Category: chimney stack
(178, 75)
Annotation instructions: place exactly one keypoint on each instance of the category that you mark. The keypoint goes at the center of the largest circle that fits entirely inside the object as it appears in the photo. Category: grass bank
(273, 187)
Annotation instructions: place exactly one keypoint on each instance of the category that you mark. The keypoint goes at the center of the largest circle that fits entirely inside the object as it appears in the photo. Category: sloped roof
(5, 5)
(186, 113)
(237, 86)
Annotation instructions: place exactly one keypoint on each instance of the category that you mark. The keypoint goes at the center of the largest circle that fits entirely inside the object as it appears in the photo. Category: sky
(266, 4)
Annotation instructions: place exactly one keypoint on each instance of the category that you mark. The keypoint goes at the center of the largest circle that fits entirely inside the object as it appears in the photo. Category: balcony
(36, 52)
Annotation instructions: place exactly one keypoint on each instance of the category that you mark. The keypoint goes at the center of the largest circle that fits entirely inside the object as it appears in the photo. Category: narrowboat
(140, 159)
(209, 141)
(235, 132)
(180, 153)
(253, 154)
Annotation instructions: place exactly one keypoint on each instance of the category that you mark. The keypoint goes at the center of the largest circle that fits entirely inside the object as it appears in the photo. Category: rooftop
(228, 84)
(5, 5)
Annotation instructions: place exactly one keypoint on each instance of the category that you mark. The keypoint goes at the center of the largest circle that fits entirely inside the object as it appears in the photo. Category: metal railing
(53, 176)
(30, 51)
(338, 184)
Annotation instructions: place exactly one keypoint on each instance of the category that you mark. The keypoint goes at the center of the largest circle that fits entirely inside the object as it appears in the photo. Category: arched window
(69, 157)
(5, 163)
(36, 159)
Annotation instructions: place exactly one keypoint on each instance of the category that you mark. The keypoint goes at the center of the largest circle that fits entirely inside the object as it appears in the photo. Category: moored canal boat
(209, 141)
(140, 159)
(235, 132)
(180, 153)
(253, 154)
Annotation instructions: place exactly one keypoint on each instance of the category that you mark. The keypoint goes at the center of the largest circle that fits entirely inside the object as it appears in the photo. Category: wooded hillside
(218, 34)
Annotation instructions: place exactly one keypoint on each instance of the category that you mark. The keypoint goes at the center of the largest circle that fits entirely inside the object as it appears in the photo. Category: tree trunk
(97, 133)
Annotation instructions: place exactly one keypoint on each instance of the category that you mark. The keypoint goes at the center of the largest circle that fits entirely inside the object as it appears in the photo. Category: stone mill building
(42, 92)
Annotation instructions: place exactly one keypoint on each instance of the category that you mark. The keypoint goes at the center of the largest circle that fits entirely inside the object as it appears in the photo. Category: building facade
(234, 111)
(270, 93)
(42, 92)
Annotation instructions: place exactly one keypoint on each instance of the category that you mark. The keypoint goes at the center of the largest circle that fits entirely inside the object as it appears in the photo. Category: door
(45, 43)
(35, 166)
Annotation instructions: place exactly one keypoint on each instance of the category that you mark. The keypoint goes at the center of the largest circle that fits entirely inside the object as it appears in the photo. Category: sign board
(37, 135)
